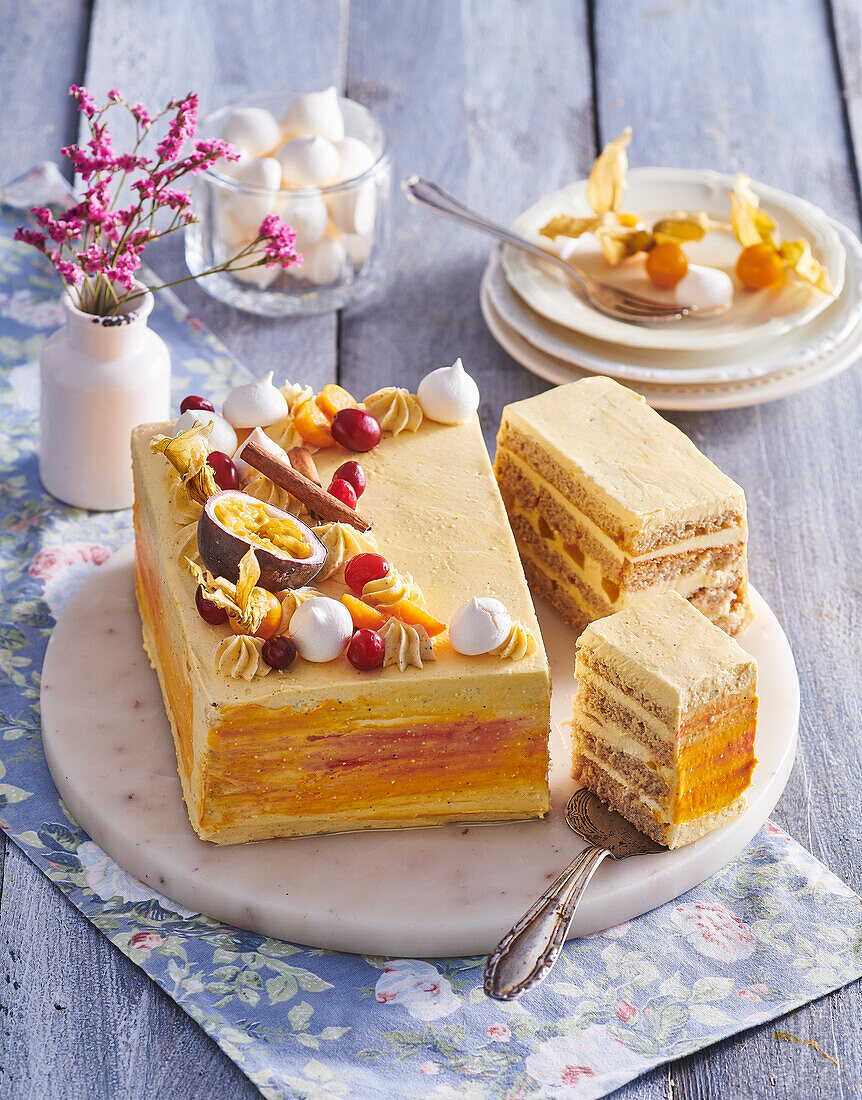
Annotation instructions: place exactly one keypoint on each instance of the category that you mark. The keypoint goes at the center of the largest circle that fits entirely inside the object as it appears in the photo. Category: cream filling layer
(723, 537)
(590, 676)
(655, 808)
(685, 584)
(619, 741)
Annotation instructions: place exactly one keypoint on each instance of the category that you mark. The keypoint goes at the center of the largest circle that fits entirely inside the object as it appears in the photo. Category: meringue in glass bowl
(320, 162)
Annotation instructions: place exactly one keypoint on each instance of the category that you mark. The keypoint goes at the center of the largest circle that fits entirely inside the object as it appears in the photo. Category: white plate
(797, 348)
(681, 396)
(653, 193)
(417, 892)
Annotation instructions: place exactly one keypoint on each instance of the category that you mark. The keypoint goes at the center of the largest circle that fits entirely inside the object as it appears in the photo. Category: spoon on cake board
(525, 955)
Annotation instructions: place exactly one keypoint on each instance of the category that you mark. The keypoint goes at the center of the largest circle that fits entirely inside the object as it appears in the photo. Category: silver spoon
(525, 955)
(612, 300)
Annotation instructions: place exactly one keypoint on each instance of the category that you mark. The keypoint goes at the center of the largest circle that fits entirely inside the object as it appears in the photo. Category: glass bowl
(342, 229)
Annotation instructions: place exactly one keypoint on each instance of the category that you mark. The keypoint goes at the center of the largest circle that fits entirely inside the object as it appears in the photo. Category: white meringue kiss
(222, 437)
(320, 629)
(354, 158)
(448, 395)
(479, 625)
(258, 436)
(704, 287)
(251, 207)
(253, 129)
(256, 404)
(315, 113)
(307, 161)
(324, 263)
(307, 214)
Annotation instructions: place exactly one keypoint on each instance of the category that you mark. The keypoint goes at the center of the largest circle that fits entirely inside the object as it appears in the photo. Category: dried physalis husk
(797, 255)
(682, 227)
(750, 224)
(619, 243)
(243, 601)
(187, 453)
(564, 225)
(607, 183)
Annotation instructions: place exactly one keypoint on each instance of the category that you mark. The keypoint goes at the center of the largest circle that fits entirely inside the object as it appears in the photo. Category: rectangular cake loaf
(609, 501)
(323, 748)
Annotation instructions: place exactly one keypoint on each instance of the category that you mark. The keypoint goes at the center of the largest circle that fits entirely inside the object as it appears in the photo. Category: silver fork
(525, 955)
(614, 301)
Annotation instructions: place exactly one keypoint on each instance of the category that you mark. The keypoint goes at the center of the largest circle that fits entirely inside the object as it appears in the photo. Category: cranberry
(353, 474)
(343, 491)
(193, 401)
(210, 613)
(366, 650)
(363, 568)
(278, 652)
(355, 429)
(223, 470)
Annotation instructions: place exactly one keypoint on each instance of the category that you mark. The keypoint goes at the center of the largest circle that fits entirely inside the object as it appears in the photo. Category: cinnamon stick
(317, 500)
(301, 459)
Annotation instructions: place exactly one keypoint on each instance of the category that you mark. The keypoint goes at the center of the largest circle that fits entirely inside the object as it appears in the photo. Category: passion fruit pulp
(289, 553)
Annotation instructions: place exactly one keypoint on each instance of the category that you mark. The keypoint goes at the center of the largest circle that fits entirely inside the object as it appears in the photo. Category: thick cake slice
(608, 501)
(324, 747)
(664, 718)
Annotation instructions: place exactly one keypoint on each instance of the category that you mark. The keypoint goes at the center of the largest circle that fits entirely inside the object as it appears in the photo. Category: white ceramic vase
(100, 377)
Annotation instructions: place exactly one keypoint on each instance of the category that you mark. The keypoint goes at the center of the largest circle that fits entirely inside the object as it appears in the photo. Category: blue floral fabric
(770, 931)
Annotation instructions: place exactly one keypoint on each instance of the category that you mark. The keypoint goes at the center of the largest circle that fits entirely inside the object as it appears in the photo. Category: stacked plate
(769, 344)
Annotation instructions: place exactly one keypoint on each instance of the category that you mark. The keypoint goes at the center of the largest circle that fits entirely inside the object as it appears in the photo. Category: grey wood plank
(129, 1039)
(68, 990)
(226, 52)
(474, 97)
(755, 88)
(37, 66)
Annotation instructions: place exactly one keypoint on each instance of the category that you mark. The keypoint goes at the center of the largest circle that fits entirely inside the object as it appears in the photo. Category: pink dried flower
(71, 273)
(86, 102)
(181, 129)
(31, 236)
(176, 200)
(141, 115)
(279, 241)
(93, 259)
(110, 238)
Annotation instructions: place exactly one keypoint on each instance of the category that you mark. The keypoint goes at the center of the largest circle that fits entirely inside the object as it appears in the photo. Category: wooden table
(499, 102)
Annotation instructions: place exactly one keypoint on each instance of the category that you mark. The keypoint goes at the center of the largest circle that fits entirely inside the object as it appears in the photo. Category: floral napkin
(772, 930)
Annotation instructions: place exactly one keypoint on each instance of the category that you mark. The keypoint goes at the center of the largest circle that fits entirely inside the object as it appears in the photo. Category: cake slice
(609, 501)
(323, 747)
(664, 718)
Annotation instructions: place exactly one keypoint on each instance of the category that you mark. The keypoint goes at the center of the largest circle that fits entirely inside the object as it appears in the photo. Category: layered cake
(664, 718)
(359, 656)
(608, 501)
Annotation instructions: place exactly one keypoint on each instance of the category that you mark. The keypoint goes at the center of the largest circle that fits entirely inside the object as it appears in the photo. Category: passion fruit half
(290, 555)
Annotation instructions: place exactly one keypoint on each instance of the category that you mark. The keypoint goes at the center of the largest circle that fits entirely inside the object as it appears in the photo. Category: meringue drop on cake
(256, 404)
(222, 437)
(448, 395)
(258, 436)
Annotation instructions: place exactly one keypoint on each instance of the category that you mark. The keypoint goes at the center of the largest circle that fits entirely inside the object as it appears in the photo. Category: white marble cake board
(419, 892)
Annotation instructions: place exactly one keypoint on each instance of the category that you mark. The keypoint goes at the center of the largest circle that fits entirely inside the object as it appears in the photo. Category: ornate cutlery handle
(425, 193)
(525, 955)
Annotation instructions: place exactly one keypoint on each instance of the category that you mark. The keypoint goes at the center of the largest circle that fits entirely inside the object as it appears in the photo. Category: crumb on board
(788, 1038)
